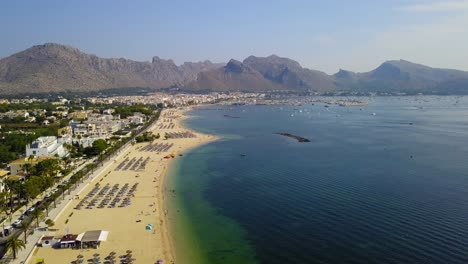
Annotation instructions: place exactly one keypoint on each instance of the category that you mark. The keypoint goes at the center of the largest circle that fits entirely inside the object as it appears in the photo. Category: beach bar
(91, 239)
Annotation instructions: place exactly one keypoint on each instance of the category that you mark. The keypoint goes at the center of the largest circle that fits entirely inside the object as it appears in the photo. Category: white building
(46, 147)
(136, 119)
(109, 111)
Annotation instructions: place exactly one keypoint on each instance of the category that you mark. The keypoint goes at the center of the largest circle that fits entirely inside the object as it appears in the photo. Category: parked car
(30, 210)
(16, 223)
(7, 231)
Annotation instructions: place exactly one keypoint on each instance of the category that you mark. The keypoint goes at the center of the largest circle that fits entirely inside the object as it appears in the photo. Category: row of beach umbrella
(128, 258)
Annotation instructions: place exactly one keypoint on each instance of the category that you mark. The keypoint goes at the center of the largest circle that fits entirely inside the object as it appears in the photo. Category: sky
(355, 35)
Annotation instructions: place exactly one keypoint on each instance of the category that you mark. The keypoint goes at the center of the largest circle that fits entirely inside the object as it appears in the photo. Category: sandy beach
(138, 175)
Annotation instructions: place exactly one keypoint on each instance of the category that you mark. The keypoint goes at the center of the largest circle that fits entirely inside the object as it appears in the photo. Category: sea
(383, 183)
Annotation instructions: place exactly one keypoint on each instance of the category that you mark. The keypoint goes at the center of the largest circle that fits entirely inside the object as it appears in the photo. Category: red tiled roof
(68, 238)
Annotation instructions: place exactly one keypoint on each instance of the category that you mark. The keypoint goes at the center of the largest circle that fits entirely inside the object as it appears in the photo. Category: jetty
(298, 138)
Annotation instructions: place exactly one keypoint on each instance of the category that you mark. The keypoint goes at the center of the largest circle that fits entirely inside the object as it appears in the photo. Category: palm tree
(25, 227)
(13, 188)
(47, 208)
(37, 215)
(14, 244)
(3, 205)
(27, 168)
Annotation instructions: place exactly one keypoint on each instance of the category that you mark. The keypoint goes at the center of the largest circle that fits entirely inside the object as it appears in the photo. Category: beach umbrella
(129, 251)
(112, 253)
(159, 261)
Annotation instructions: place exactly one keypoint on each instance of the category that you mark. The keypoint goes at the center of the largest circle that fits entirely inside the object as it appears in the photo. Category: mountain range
(53, 68)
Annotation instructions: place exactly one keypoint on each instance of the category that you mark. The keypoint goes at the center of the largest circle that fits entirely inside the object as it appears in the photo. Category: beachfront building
(136, 119)
(84, 141)
(80, 129)
(68, 241)
(88, 239)
(3, 176)
(91, 239)
(16, 166)
(97, 126)
(46, 147)
(47, 241)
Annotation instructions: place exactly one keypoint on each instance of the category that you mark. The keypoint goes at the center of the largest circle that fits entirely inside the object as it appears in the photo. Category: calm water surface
(386, 183)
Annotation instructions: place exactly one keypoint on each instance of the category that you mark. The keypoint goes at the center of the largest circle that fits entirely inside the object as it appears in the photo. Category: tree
(25, 227)
(4, 204)
(27, 167)
(32, 187)
(64, 122)
(14, 188)
(100, 145)
(14, 244)
(40, 119)
(6, 154)
(50, 223)
(37, 215)
(48, 167)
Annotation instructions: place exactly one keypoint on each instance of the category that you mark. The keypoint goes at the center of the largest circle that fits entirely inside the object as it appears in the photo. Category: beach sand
(126, 225)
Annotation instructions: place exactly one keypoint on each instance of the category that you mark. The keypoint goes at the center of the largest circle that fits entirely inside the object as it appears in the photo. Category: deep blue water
(385, 188)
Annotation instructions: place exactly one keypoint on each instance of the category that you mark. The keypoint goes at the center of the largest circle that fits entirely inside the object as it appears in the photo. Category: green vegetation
(33, 106)
(37, 215)
(126, 111)
(24, 226)
(14, 244)
(50, 223)
(12, 144)
(39, 178)
(99, 146)
(146, 137)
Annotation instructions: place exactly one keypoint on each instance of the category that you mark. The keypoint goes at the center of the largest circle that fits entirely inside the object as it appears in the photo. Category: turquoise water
(386, 183)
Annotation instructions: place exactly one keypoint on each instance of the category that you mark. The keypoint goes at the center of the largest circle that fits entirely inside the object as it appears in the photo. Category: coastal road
(16, 214)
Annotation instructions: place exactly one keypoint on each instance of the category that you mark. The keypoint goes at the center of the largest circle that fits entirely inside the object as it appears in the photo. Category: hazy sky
(356, 35)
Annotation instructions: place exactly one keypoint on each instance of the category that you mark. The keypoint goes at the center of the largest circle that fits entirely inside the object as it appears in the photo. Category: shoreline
(168, 169)
(148, 248)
